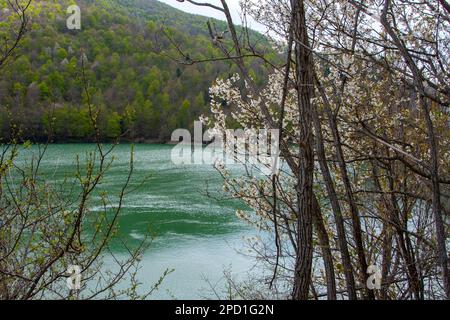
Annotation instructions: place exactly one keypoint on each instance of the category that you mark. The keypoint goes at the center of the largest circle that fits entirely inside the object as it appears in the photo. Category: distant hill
(142, 92)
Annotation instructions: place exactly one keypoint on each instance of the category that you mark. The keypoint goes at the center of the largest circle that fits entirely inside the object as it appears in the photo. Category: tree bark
(304, 67)
(324, 243)
(356, 222)
(332, 196)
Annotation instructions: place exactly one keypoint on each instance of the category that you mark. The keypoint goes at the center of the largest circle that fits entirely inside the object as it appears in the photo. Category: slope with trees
(143, 92)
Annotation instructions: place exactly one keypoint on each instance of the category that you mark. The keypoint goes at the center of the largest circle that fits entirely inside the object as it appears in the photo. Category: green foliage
(141, 92)
(69, 123)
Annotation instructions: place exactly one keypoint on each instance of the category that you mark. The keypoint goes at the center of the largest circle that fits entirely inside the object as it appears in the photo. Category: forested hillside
(142, 91)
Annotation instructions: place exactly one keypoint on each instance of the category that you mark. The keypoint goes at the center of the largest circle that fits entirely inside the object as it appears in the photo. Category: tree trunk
(324, 243)
(356, 223)
(332, 196)
(304, 65)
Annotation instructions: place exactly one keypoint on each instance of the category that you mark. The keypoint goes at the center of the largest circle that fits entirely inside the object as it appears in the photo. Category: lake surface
(196, 235)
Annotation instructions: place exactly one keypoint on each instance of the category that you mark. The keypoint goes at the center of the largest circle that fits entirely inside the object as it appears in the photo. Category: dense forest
(132, 68)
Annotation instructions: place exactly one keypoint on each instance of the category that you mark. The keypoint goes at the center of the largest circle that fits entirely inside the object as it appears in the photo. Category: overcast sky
(209, 12)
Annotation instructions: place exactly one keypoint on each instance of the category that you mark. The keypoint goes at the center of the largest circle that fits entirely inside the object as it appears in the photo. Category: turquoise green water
(196, 235)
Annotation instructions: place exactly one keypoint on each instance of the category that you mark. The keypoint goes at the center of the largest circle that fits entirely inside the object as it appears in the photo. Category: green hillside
(142, 93)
